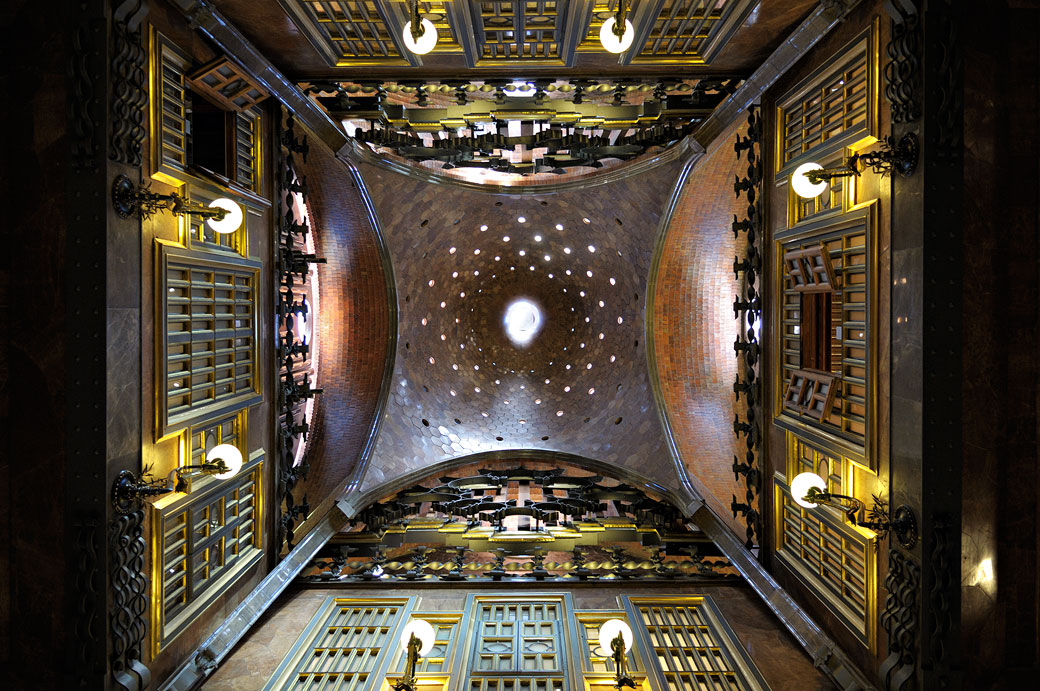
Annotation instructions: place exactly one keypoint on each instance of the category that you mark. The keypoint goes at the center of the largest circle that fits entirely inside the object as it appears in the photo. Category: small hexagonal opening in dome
(522, 321)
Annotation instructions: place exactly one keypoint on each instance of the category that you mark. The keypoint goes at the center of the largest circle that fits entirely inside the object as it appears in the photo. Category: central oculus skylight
(523, 320)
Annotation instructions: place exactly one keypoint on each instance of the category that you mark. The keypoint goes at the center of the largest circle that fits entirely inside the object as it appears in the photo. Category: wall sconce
(616, 636)
(222, 215)
(417, 639)
(810, 179)
(617, 33)
(223, 461)
(420, 35)
(809, 490)
(129, 489)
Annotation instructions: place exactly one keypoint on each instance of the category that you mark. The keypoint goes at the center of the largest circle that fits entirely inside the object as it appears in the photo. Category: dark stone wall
(1001, 293)
(33, 582)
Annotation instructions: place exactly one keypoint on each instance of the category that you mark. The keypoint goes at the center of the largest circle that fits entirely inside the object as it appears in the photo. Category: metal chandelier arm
(414, 19)
(619, 19)
(850, 505)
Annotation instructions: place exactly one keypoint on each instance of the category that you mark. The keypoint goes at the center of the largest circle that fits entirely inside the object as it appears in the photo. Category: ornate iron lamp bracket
(900, 157)
(128, 199)
(902, 522)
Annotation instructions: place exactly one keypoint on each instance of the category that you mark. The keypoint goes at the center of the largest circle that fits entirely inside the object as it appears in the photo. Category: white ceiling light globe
(523, 320)
(232, 219)
(800, 488)
(231, 456)
(426, 41)
(423, 630)
(609, 631)
(611, 42)
(803, 187)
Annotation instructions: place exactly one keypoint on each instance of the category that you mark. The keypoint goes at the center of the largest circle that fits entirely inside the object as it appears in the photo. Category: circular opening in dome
(523, 320)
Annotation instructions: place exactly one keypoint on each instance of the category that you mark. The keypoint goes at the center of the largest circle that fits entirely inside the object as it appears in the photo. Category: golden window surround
(834, 107)
(169, 131)
(207, 339)
(353, 643)
(833, 558)
(850, 427)
(202, 544)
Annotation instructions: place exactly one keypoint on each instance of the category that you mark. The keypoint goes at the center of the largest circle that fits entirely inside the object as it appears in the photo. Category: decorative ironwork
(901, 522)
(436, 562)
(128, 199)
(294, 390)
(900, 157)
(90, 593)
(128, 490)
(748, 310)
(949, 75)
(902, 71)
(129, 83)
(939, 595)
(129, 603)
(523, 524)
(900, 621)
(86, 77)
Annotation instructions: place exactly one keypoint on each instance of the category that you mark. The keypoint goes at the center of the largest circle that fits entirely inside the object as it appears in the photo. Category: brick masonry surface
(693, 323)
(354, 325)
(459, 385)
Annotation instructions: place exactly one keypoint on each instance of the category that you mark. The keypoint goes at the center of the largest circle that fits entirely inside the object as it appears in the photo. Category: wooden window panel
(836, 560)
(816, 331)
(343, 647)
(811, 394)
(168, 96)
(693, 647)
(228, 85)
(809, 269)
(833, 108)
(209, 336)
(247, 150)
(846, 251)
(208, 541)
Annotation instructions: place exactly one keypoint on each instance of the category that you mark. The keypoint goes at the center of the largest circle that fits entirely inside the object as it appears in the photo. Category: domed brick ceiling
(461, 384)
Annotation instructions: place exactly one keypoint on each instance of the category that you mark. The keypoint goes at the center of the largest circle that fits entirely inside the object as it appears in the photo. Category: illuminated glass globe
(231, 456)
(803, 187)
(611, 42)
(800, 488)
(423, 630)
(232, 219)
(609, 631)
(426, 41)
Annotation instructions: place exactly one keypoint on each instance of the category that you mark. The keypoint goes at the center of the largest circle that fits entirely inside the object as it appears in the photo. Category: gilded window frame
(160, 637)
(165, 427)
(865, 629)
(864, 215)
(867, 42)
(747, 673)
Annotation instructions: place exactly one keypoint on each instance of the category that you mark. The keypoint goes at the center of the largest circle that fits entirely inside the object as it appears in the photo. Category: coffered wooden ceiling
(481, 38)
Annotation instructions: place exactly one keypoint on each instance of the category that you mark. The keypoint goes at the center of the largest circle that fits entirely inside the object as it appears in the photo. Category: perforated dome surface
(461, 385)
